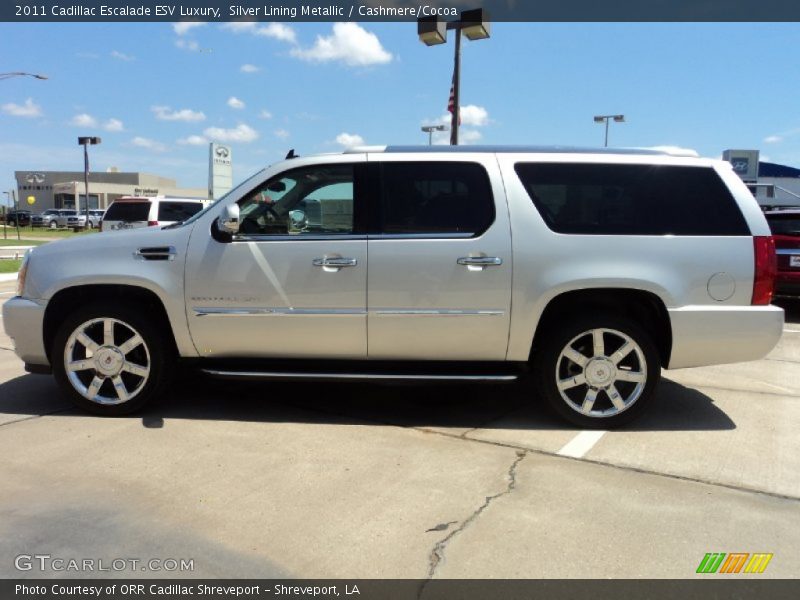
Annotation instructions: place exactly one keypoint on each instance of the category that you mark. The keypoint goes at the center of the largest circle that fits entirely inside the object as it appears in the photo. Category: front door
(440, 263)
(292, 283)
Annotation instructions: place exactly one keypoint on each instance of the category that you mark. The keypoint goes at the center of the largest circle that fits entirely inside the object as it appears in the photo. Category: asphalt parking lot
(366, 481)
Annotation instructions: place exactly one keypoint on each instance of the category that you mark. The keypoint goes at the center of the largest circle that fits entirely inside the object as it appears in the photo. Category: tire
(53, 225)
(586, 394)
(12, 223)
(118, 375)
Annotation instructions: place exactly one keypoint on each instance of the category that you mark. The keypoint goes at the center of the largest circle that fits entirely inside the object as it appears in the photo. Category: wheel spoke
(615, 397)
(87, 342)
(572, 382)
(597, 342)
(131, 344)
(632, 376)
(588, 401)
(108, 332)
(135, 369)
(81, 365)
(575, 356)
(119, 386)
(626, 349)
(94, 387)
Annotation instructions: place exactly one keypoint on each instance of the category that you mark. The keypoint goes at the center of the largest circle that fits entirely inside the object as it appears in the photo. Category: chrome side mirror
(229, 220)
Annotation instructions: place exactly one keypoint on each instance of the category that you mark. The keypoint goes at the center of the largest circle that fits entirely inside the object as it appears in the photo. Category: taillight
(766, 269)
(152, 223)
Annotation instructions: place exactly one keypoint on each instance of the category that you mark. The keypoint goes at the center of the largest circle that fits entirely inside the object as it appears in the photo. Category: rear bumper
(23, 320)
(710, 335)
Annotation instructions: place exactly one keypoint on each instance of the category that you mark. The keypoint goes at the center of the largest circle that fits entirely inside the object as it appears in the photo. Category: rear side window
(178, 211)
(128, 211)
(435, 197)
(606, 199)
(784, 224)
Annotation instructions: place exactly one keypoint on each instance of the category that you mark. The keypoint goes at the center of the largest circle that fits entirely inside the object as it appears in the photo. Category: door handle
(334, 263)
(480, 262)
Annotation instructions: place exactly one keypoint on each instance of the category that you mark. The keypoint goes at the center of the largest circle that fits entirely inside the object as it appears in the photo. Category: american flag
(451, 102)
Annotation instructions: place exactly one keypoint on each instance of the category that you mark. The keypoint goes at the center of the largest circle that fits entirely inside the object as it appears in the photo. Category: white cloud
(113, 125)
(265, 114)
(83, 120)
(281, 134)
(469, 136)
(247, 68)
(234, 102)
(193, 140)
(147, 143)
(165, 113)
(185, 26)
(474, 116)
(349, 139)
(190, 45)
(241, 133)
(121, 56)
(350, 44)
(28, 109)
(773, 139)
(276, 31)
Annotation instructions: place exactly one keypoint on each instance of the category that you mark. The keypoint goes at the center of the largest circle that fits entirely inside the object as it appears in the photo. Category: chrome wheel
(53, 225)
(107, 361)
(601, 373)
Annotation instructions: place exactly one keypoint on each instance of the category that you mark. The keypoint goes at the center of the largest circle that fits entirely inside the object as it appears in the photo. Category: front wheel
(110, 360)
(598, 372)
(53, 225)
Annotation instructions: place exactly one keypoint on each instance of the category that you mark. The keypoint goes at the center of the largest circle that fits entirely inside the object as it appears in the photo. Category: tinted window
(128, 211)
(436, 197)
(784, 224)
(178, 211)
(632, 199)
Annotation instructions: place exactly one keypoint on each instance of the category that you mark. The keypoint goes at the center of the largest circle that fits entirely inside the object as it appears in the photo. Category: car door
(286, 286)
(439, 260)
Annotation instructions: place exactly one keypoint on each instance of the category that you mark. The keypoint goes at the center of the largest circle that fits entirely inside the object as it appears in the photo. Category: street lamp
(86, 142)
(429, 129)
(607, 118)
(21, 74)
(431, 31)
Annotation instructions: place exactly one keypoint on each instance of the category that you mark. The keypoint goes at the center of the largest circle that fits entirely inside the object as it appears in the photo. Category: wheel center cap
(108, 361)
(600, 372)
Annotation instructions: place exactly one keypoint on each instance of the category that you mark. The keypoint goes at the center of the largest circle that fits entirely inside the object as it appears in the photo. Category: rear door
(439, 285)
(126, 214)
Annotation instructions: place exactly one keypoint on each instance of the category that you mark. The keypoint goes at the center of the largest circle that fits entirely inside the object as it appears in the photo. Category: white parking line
(578, 446)
(791, 330)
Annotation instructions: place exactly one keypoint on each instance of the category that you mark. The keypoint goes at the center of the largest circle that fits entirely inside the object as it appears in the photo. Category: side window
(612, 199)
(435, 197)
(177, 211)
(308, 200)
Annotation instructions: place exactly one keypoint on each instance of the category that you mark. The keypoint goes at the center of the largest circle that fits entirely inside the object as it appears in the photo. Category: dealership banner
(399, 10)
(402, 589)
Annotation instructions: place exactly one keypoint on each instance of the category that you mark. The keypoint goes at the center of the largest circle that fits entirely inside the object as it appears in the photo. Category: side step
(333, 376)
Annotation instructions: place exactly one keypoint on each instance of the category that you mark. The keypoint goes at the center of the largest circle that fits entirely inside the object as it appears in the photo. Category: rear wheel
(53, 225)
(598, 372)
(110, 360)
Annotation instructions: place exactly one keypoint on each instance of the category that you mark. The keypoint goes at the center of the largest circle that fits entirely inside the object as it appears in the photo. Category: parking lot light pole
(607, 118)
(429, 129)
(432, 31)
(86, 142)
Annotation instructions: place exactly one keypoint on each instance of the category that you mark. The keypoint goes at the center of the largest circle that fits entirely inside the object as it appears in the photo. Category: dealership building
(40, 190)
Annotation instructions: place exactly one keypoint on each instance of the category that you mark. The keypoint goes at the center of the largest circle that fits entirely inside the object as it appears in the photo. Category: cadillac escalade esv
(590, 270)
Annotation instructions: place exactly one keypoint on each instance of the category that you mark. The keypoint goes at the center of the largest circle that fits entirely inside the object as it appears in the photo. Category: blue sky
(156, 93)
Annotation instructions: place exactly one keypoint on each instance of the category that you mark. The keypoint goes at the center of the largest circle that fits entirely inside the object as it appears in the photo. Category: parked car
(592, 270)
(46, 218)
(79, 219)
(133, 212)
(785, 227)
(23, 217)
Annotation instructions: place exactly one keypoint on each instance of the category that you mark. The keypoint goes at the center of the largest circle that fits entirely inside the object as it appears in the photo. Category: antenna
(291, 154)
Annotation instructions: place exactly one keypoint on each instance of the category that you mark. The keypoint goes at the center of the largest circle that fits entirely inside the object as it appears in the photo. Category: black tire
(550, 366)
(156, 351)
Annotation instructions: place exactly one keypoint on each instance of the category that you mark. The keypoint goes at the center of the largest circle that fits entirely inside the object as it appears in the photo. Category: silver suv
(591, 270)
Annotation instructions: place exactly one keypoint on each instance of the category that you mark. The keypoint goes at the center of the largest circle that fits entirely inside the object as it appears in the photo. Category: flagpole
(456, 115)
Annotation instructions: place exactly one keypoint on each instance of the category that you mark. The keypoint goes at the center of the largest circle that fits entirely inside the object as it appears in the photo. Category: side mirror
(229, 220)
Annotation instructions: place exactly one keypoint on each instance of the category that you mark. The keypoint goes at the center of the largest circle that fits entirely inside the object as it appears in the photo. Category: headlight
(23, 272)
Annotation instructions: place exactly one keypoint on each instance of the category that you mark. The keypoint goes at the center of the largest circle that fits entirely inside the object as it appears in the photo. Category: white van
(130, 212)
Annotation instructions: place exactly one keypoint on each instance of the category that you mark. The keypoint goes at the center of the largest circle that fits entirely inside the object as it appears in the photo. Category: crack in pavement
(437, 554)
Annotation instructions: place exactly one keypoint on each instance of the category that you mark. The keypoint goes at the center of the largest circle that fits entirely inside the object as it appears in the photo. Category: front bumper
(23, 320)
(710, 335)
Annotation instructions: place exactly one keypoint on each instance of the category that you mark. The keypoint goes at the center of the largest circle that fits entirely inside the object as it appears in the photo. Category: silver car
(592, 270)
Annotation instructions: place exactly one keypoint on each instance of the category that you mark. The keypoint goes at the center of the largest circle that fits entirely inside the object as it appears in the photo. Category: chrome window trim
(422, 236)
